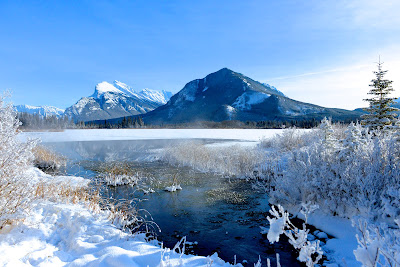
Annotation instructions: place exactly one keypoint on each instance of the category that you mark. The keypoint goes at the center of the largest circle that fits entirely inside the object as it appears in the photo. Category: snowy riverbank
(57, 234)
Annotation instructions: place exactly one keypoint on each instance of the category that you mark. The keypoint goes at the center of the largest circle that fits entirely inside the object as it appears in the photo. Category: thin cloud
(352, 68)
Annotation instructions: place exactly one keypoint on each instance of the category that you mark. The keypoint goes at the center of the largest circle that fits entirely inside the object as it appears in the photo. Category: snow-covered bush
(329, 140)
(289, 139)
(351, 173)
(231, 161)
(357, 175)
(15, 158)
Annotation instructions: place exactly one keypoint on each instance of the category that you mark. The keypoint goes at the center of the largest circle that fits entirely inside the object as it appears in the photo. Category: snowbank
(60, 234)
(339, 249)
(35, 176)
(148, 134)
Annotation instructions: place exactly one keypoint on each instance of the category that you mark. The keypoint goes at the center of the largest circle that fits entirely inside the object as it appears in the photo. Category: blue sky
(322, 52)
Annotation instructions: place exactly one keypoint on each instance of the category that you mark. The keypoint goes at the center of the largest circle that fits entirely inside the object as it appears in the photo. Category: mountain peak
(116, 99)
(224, 71)
(105, 87)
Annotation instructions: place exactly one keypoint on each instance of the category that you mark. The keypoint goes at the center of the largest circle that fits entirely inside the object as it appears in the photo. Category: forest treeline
(39, 122)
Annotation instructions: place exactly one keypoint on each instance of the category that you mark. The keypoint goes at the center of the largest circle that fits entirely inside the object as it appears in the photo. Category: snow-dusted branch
(309, 251)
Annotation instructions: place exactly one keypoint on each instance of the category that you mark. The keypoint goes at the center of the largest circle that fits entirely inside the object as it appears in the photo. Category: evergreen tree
(381, 115)
(140, 122)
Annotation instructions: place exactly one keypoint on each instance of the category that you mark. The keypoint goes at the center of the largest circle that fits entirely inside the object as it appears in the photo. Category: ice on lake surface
(220, 214)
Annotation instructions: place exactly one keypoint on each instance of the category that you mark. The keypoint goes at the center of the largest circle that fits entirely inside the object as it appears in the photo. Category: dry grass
(116, 168)
(47, 159)
(21, 196)
(68, 194)
(231, 161)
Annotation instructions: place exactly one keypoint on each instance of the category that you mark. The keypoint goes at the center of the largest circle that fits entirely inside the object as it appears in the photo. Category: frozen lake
(253, 135)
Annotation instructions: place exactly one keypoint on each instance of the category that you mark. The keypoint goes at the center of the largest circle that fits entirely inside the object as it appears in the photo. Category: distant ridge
(41, 110)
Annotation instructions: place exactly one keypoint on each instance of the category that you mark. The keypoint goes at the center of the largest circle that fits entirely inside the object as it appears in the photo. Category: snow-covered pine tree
(381, 115)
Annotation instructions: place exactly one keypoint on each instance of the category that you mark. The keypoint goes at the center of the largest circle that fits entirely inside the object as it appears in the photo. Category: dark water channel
(218, 214)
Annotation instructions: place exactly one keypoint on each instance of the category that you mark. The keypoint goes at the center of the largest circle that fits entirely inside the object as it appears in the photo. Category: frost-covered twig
(309, 251)
(308, 208)
(378, 245)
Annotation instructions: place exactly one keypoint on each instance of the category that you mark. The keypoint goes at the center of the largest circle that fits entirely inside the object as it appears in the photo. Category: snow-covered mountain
(41, 110)
(116, 100)
(228, 95)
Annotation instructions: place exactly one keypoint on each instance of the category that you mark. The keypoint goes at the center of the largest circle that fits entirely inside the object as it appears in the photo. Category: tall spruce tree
(381, 115)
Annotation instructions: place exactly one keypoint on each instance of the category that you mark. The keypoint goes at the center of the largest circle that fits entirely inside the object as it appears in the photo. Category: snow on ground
(37, 175)
(340, 248)
(56, 234)
(61, 234)
(147, 134)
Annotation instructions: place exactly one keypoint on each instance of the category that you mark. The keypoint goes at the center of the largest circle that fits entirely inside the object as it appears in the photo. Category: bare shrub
(231, 161)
